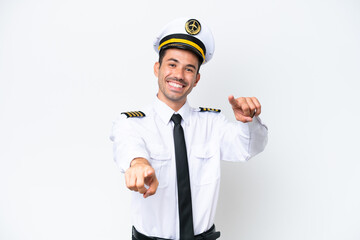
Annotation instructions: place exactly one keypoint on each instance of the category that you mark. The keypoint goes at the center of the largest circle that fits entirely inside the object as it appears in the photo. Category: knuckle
(139, 185)
(150, 170)
(129, 185)
(127, 182)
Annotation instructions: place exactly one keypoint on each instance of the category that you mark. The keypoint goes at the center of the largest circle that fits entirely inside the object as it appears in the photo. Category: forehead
(181, 55)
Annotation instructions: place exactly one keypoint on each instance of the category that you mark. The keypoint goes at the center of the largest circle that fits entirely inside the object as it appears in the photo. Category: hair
(163, 51)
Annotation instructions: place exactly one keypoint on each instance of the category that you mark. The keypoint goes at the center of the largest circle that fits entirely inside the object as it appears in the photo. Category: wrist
(139, 161)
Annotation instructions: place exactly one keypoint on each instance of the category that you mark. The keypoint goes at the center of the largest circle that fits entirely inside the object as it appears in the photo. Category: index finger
(153, 185)
(232, 101)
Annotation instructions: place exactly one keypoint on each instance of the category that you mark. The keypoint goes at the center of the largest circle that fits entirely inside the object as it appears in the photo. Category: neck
(173, 105)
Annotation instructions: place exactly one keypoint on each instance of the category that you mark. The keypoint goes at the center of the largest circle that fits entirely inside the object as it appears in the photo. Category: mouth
(175, 84)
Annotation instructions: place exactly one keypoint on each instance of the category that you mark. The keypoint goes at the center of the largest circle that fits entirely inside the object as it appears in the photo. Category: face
(177, 76)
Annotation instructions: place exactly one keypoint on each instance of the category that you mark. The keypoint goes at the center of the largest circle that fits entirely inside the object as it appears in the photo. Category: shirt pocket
(160, 160)
(206, 161)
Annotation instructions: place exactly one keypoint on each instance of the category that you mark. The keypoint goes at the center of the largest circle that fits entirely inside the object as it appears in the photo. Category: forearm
(241, 141)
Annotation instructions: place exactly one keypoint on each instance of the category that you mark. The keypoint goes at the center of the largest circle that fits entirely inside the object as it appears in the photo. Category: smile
(176, 85)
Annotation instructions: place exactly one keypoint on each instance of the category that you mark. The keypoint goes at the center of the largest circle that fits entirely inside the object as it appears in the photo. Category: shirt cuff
(124, 158)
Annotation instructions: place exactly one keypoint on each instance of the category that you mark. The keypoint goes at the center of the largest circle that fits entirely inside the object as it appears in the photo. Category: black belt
(210, 234)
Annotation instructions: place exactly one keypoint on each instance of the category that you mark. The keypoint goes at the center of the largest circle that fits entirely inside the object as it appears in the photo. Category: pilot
(170, 152)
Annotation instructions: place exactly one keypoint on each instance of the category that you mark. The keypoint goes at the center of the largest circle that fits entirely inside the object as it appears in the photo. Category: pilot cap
(187, 33)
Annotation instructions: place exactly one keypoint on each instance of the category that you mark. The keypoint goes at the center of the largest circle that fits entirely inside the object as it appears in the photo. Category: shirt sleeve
(241, 141)
(127, 142)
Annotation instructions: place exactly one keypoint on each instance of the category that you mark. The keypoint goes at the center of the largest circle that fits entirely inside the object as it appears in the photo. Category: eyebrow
(173, 59)
(177, 61)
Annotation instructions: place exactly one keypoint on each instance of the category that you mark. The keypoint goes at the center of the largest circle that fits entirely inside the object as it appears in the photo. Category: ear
(156, 69)
(197, 79)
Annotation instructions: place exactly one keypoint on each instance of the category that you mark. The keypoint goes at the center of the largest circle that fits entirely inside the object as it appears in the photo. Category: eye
(189, 70)
(172, 65)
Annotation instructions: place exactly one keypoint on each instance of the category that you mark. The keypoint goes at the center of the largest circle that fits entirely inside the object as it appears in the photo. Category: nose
(179, 73)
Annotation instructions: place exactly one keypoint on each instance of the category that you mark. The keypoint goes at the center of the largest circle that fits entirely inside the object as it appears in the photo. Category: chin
(176, 98)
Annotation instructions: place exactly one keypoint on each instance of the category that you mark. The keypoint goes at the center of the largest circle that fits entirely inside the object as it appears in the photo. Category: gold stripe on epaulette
(209, 110)
(134, 114)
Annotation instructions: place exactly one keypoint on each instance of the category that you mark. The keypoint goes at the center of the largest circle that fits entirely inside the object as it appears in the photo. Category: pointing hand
(245, 108)
(140, 174)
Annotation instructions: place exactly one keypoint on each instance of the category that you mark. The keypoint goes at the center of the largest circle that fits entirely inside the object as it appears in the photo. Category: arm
(131, 156)
(247, 136)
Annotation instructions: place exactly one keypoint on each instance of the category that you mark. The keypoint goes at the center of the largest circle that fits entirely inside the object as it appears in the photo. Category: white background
(68, 68)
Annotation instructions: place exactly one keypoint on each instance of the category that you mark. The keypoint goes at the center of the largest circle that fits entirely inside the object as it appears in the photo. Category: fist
(140, 174)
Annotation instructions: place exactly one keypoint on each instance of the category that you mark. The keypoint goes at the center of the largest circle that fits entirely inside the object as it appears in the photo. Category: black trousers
(210, 234)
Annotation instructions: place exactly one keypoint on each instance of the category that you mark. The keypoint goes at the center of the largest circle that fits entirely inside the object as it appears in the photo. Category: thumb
(243, 118)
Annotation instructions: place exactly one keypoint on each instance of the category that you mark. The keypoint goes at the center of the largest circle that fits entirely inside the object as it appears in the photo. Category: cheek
(163, 73)
(193, 80)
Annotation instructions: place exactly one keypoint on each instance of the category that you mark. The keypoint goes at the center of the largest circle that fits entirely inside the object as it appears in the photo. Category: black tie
(183, 181)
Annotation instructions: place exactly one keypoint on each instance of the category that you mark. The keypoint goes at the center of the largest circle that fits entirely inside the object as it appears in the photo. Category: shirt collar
(165, 112)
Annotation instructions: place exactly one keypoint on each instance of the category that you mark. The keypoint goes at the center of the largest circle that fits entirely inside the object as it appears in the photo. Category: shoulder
(137, 117)
(126, 118)
(129, 121)
(140, 114)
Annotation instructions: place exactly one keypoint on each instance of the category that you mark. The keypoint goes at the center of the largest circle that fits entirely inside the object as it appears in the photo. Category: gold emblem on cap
(192, 26)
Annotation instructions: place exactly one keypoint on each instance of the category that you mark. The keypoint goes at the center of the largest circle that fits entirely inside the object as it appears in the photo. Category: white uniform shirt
(209, 138)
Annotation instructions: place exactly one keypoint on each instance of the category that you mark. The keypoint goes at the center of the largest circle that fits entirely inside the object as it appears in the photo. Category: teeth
(175, 85)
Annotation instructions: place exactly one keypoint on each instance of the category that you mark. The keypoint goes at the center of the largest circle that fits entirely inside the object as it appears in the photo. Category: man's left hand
(245, 108)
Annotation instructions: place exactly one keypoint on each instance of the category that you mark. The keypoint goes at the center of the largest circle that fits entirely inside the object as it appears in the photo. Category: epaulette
(137, 114)
(209, 110)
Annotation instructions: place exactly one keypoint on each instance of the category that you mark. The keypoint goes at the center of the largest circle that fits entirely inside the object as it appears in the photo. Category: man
(170, 152)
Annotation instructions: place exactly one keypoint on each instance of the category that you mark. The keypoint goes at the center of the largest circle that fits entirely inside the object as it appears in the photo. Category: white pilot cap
(187, 33)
